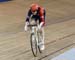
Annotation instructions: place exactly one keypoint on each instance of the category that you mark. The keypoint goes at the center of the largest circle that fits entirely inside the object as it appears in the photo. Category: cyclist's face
(34, 12)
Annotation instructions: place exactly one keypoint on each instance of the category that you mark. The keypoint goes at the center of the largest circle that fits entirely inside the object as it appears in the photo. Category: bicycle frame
(34, 30)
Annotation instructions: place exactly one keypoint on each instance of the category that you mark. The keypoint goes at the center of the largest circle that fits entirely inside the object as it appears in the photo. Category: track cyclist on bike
(38, 14)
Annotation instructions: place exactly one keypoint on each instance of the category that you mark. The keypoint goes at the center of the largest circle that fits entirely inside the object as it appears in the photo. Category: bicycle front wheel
(39, 40)
(33, 44)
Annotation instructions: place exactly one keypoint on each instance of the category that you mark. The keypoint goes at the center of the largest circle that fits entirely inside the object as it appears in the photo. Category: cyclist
(38, 14)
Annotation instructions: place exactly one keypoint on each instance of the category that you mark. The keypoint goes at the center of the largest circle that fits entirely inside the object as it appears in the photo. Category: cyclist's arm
(27, 20)
(28, 16)
(42, 17)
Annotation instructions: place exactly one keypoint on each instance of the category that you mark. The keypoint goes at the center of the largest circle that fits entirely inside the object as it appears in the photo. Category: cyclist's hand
(40, 26)
(26, 26)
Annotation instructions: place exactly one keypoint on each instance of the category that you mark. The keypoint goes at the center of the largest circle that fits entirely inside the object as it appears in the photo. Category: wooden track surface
(59, 29)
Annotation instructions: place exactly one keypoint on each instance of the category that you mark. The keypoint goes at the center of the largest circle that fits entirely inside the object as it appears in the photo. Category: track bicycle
(35, 39)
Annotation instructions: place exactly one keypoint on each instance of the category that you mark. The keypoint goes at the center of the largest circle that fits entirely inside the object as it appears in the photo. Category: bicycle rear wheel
(33, 44)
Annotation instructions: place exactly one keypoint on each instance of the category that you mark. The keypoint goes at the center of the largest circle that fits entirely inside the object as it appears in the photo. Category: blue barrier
(4, 0)
(68, 55)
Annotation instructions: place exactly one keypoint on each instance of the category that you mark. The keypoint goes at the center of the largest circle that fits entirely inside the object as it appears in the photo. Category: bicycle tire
(33, 45)
(39, 42)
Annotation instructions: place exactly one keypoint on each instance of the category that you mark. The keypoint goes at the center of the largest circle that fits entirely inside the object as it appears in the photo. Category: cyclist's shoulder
(41, 10)
(29, 11)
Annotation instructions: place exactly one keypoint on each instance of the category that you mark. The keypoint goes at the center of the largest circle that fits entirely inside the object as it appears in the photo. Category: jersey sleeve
(42, 15)
(28, 15)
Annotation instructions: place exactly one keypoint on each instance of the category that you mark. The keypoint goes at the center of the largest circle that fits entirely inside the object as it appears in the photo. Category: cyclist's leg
(42, 47)
(42, 33)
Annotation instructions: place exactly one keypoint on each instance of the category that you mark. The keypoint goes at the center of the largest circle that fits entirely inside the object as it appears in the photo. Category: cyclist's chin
(34, 13)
